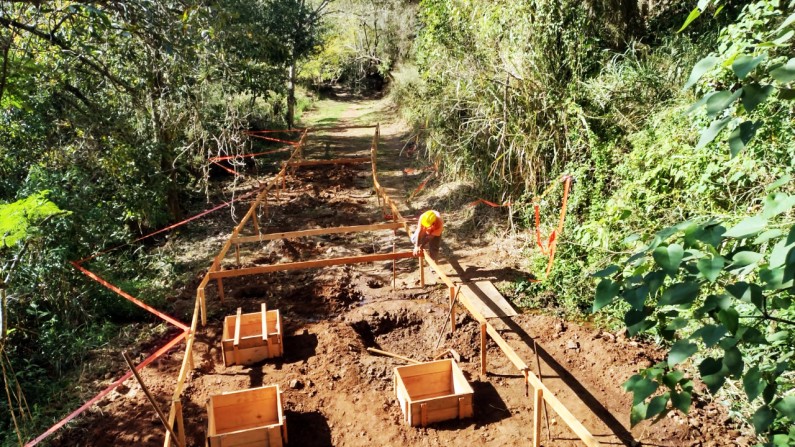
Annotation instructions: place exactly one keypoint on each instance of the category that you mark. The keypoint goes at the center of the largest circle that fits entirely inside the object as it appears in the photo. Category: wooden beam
(327, 129)
(389, 354)
(317, 232)
(337, 161)
(438, 270)
(264, 312)
(237, 326)
(310, 264)
(159, 412)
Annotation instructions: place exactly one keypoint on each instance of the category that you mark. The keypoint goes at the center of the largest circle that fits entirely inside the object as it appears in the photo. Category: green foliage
(752, 65)
(17, 219)
(722, 295)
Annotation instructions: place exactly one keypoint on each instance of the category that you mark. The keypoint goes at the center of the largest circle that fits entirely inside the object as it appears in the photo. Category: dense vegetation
(682, 204)
(688, 196)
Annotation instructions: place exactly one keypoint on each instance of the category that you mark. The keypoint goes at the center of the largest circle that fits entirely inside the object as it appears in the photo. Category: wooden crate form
(250, 338)
(432, 392)
(246, 418)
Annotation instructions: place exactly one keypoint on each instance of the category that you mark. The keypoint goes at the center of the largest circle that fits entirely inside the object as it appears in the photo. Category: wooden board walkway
(488, 300)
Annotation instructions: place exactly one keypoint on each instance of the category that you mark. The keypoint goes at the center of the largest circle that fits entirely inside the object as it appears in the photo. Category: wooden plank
(537, 401)
(424, 368)
(220, 288)
(310, 264)
(506, 348)
(318, 232)
(337, 161)
(432, 264)
(393, 355)
(574, 424)
(423, 386)
(264, 311)
(424, 414)
(237, 326)
(488, 300)
(483, 340)
(335, 128)
(180, 422)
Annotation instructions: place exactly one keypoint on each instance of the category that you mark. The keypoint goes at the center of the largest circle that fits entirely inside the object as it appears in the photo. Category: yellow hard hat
(427, 219)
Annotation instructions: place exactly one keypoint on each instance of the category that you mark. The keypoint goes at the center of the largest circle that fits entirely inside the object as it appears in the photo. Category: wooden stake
(151, 399)
(221, 289)
(537, 402)
(389, 354)
(203, 303)
(180, 421)
(237, 254)
(255, 221)
(541, 379)
(452, 308)
(483, 341)
(394, 266)
(422, 271)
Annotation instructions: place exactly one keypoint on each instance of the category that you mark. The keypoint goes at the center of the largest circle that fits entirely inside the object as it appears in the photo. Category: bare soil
(335, 392)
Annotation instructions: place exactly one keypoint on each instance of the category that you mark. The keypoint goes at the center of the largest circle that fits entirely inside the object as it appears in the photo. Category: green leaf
(775, 279)
(701, 66)
(741, 136)
(711, 132)
(779, 183)
(785, 73)
(786, 406)
(680, 293)
(672, 378)
(654, 280)
(747, 227)
(787, 22)
(692, 16)
(711, 334)
(749, 293)
(769, 393)
(657, 405)
(637, 414)
(636, 322)
(745, 64)
(676, 324)
(636, 297)
(745, 258)
(710, 268)
(629, 385)
(708, 234)
(606, 290)
(763, 419)
(642, 389)
(753, 384)
(733, 360)
(669, 257)
(604, 273)
(712, 373)
(698, 104)
(755, 94)
(767, 235)
(718, 102)
(730, 318)
(681, 351)
(681, 401)
(777, 203)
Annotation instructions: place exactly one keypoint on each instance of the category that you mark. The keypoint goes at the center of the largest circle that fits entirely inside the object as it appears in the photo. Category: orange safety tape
(107, 390)
(229, 170)
(129, 297)
(491, 204)
(230, 157)
(278, 140)
(275, 130)
(422, 185)
(178, 224)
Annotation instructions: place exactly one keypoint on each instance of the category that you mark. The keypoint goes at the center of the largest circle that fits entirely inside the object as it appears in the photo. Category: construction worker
(429, 232)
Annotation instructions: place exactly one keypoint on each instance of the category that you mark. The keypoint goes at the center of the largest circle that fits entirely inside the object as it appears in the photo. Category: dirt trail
(335, 393)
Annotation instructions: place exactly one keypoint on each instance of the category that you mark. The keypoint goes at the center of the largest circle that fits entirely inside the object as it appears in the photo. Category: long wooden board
(488, 300)
(310, 264)
(318, 232)
(336, 161)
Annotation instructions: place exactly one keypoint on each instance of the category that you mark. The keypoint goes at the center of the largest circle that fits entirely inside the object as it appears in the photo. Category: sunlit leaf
(657, 405)
(710, 268)
(784, 73)
(777, 203)
(669, 257)
(741, 136)
(755, 94)
(680, 293)
(681, 401)
(709, 134)
(701, 66)
(733, 360)
(681, 351)
(730, 318)
(786, 406)
(718, 102)
(604, 273)
(692, 16)
(606, 290)
(747, 227)
(711, 334)
(745, 64)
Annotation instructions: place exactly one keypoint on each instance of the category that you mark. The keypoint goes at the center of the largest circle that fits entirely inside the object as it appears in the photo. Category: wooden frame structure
(252, 337)
(246, 418)
(432, 392)
(541, 393)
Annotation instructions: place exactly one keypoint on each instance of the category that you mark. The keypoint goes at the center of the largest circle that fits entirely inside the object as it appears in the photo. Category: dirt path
(335, 393)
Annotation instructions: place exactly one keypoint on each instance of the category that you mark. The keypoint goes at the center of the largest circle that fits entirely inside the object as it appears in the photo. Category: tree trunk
(291, 95)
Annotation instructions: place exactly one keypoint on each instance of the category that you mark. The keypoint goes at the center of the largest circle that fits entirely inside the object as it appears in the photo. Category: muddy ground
(335, 392)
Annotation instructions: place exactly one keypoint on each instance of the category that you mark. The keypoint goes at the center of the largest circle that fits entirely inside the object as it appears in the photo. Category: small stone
(571, 344)
(296, 384)
(213, 351)
(622, 333)
(560, 327)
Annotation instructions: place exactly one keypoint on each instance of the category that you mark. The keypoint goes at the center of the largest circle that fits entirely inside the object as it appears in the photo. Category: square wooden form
(246, 418)
(250, 338)
(432, 392)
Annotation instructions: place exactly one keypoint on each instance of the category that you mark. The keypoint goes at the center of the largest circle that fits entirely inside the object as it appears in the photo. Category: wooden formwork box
(246, 418)
(250, 338)
(432, 392)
